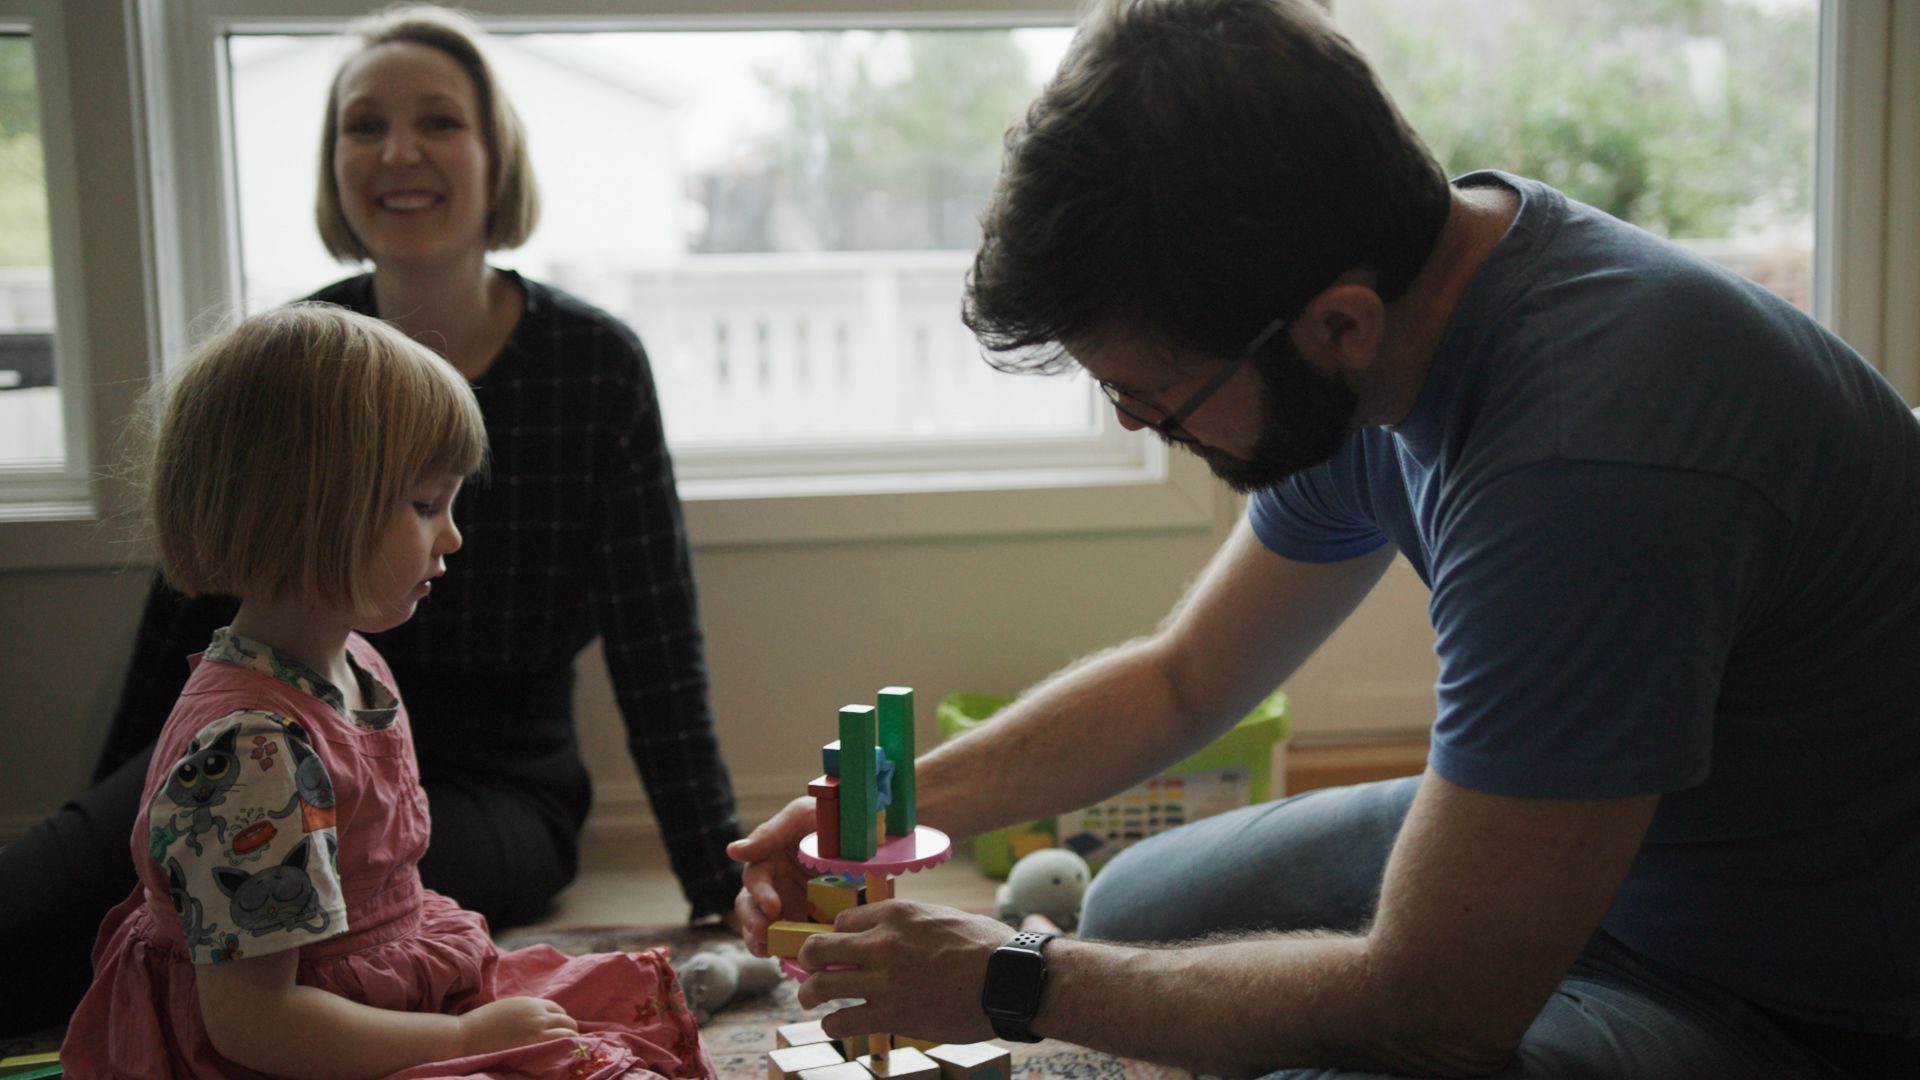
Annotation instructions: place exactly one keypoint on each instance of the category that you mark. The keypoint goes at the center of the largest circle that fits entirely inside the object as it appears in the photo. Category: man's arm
(1109, 721)
(1487, 901)
(1121, 715)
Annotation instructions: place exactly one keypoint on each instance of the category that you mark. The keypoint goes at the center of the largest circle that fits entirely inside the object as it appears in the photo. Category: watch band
(1016, 974)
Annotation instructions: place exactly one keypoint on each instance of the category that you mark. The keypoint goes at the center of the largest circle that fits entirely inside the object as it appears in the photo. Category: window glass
(786, 218)
(32, 433)
(1692, 118)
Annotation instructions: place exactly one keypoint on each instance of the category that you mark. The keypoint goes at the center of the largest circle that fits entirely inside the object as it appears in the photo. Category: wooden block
(791, 1061)
(973, 1061)
(826, 814)
(846, 1070)
(896, 739)
(922, 1045)
(859, 782)
(805, 1033)
(878, 1046)
(879, 887)
(904, 1063)
(830, 894)
(785, 937)
(879, 829)
(830, 758)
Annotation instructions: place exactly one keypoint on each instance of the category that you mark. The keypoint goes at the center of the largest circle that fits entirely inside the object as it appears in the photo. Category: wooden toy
(846, 1070)
(896, 740)
(830, 894)
(973, 1061)
(856, 857)
(805, 1033)
(905, 1063)
(826, 813)
(785, 937)
(793, 1060)
(859, 781)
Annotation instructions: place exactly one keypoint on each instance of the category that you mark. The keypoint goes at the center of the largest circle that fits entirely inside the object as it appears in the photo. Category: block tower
(866, 832)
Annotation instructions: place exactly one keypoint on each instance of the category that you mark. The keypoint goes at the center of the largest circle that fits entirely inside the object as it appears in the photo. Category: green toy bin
(1247, 765)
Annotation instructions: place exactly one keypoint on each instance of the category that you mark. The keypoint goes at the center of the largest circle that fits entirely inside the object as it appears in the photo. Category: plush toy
(1050, 883)
(717, 976)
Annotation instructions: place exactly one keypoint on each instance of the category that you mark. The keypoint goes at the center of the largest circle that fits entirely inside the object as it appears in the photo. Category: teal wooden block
(859, 781)
(896, 740)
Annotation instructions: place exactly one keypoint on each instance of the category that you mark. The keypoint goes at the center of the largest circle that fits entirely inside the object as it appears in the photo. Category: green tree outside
(23, 186)
(1692, 118)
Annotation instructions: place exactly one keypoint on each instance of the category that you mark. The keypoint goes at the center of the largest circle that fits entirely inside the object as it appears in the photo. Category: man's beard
(1305, 418)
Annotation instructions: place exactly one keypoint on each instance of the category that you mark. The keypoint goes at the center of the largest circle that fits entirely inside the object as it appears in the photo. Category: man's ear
(1342, 328)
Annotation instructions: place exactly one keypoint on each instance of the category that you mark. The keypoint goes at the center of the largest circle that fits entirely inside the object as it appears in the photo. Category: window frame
(152, 141)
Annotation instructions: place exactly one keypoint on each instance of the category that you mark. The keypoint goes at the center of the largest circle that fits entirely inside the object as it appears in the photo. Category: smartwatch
(1016, 974)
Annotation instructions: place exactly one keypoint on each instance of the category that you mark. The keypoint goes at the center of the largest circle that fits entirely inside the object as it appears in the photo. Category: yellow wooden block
(904, 1063)
(791, 1061)
(879, 887)
(830, 894)
(805, 1033)
(785, 937)
(973, 1061)
(922, 1045)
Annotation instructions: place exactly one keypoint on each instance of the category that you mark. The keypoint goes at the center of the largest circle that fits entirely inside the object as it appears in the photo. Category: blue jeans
(1315, 862)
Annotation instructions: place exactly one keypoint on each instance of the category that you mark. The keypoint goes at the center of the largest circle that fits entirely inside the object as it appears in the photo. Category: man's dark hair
(1195, 169)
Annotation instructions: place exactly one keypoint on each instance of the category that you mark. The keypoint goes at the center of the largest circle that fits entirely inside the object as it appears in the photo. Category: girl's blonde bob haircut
(283, 447)
(513, 206)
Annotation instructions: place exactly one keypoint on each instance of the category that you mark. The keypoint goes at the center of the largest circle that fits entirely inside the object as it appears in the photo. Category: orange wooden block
(879, 887)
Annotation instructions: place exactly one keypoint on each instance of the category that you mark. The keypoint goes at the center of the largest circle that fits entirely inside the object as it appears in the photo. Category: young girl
(307, 461)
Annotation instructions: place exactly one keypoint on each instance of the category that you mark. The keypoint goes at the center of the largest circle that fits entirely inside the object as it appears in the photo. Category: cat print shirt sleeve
(243, 829)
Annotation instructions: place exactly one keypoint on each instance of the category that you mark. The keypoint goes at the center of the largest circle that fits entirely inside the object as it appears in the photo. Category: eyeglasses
(1169, 426)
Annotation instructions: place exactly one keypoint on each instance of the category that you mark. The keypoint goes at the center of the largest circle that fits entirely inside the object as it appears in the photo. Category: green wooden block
(859, 782)
(896, 740)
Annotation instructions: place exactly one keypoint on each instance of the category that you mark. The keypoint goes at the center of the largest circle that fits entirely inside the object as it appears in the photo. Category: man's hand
(774, 884)
(919, 968)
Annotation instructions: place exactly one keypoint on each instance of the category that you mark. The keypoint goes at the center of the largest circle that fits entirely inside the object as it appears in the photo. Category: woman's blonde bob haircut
(513, 206)
(283, 446)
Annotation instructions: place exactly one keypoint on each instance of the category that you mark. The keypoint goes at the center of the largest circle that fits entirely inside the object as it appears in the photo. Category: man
(1670, 825)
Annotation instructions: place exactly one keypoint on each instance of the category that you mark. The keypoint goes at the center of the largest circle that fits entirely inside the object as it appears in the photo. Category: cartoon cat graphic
(278, 898)
(313, 785)
(188, 908)
(201, 782)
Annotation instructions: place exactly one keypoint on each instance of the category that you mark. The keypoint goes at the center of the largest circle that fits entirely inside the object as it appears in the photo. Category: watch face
(1014, 980)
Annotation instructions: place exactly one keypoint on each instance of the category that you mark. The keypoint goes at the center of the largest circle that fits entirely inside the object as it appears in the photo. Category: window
(1707, 58)
(42, 452)
(1691, 118)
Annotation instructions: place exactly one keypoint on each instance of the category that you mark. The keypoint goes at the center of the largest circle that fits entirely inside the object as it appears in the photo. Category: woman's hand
(511, 1022)
(774, 884)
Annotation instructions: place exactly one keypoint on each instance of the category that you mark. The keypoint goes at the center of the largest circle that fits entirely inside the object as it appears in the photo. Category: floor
(625, 880)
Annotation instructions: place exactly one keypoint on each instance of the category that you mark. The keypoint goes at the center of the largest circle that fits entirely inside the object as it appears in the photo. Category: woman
(578, 534)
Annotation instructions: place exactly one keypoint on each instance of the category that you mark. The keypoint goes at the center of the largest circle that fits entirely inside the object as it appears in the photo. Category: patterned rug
(739, 1036)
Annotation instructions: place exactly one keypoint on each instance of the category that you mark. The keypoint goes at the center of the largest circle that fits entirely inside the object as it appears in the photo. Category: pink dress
(277, 821)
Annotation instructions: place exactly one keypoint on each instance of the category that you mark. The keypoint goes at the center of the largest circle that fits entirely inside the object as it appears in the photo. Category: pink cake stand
(901, 855)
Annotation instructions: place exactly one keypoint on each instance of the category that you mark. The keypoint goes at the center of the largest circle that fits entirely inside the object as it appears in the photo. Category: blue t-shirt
(1671, 527)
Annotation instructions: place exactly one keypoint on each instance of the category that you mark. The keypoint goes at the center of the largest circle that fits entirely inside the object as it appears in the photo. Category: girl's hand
(511, 1022)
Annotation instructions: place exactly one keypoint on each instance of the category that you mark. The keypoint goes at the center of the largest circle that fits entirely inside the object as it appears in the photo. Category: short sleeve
(243, 829)
(1311, 518)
